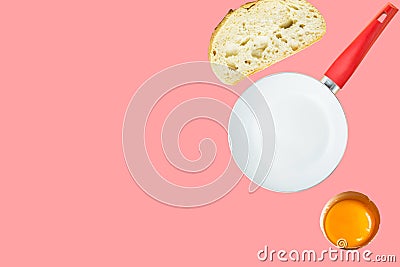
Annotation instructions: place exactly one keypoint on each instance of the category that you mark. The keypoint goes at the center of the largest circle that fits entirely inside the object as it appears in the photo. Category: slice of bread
(261, 33)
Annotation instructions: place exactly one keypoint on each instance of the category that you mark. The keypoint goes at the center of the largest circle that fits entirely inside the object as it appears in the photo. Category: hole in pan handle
(344, 66)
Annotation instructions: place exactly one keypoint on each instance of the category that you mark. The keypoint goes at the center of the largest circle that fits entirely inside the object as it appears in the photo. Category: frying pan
(307, 119)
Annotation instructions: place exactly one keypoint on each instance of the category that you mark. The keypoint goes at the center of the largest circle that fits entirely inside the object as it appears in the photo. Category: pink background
(67, 72)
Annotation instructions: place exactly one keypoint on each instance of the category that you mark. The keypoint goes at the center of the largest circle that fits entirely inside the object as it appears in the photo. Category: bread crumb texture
(261, 33)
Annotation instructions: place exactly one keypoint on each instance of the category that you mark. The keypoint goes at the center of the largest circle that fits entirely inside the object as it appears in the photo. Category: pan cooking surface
(310, 132)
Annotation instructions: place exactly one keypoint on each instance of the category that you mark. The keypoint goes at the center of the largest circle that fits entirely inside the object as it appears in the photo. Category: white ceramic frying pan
(308, 120)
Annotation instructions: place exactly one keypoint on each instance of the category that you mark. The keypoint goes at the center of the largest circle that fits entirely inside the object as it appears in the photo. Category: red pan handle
(344, 66)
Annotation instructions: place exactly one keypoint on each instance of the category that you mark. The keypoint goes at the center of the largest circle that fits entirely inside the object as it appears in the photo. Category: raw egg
(350, 220)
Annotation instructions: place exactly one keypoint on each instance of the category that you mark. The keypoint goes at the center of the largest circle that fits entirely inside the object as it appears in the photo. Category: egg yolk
(349, 224)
